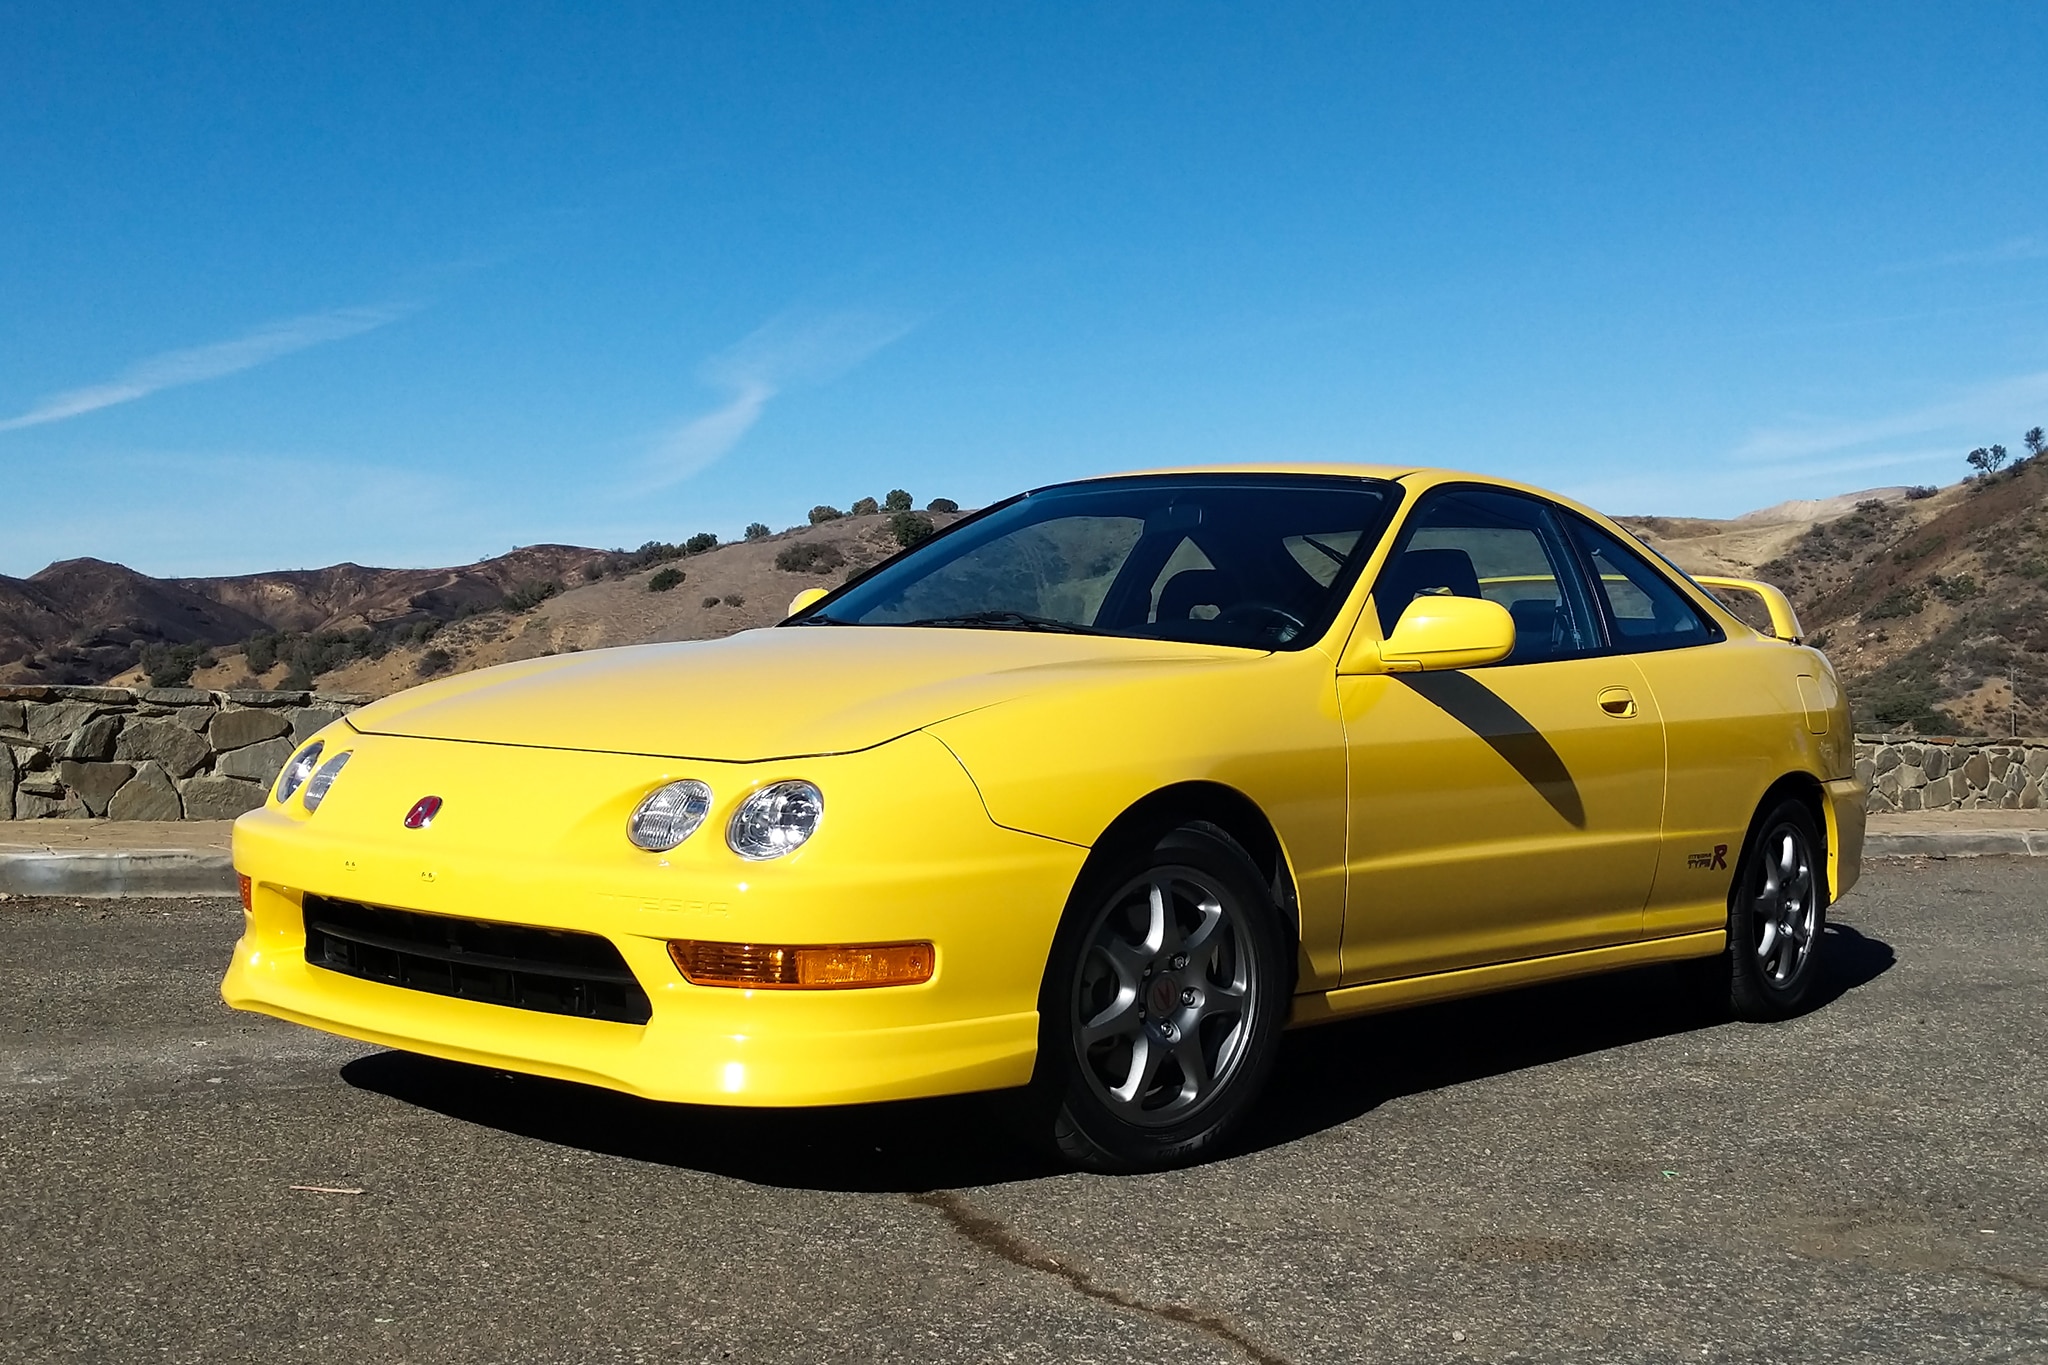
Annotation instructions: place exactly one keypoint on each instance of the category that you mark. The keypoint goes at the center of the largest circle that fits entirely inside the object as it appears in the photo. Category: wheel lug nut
(1187, 995)
(1180, 960)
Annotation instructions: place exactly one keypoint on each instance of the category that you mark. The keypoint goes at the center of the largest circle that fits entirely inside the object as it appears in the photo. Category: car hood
(765, 693)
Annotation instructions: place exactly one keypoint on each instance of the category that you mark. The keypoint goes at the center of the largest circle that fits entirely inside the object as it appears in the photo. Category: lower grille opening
(556, 971)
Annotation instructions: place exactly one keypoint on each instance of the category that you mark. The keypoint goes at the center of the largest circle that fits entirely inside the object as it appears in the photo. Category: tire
(1777, 915)
(1163, 1002)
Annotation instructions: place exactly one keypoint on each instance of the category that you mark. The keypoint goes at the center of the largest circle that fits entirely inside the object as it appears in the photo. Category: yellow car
(1092, 794)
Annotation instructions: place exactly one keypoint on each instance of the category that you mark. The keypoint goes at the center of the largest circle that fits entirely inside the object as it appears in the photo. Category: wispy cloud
(787, 352)
(2028, 248)
(196, 364)
(1998, 410)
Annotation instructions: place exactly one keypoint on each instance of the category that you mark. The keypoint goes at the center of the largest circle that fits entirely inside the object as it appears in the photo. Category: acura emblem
(423, 812)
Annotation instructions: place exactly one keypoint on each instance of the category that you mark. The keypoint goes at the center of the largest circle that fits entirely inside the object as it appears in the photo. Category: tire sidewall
(1085, 1127)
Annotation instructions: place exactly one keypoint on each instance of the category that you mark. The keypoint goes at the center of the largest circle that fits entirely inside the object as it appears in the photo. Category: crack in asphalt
(990, 1234)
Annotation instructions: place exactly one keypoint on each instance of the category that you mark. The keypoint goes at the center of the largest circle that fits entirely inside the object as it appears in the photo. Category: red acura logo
(423, 812)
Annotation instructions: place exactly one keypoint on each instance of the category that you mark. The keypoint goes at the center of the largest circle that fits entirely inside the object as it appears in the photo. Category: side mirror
(1448, 632)
(804, 599)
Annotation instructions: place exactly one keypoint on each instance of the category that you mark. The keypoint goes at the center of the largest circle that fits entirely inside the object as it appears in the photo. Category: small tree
(758, 530)
(910, 527)
(942, 505)
(664, 580)
(699, 543)
(1986, 460)
(825, 512)
(866, 507)
(897, 501)
(2035, 442)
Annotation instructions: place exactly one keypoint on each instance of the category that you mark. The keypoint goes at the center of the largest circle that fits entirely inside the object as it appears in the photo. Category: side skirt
(1324, 1006)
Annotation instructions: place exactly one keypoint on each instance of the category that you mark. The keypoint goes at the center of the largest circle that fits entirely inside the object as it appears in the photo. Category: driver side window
(1501, 547)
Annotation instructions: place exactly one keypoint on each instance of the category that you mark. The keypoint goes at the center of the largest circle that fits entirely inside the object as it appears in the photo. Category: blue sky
(411, 284)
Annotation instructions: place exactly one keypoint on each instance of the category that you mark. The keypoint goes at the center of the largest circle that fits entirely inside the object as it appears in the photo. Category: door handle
(1618, 702)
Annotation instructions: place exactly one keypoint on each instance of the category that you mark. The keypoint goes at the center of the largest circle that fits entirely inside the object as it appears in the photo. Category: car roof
(1416, 476)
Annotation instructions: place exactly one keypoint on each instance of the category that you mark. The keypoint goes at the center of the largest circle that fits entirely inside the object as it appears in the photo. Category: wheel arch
(1807, 790)
(1211, 803)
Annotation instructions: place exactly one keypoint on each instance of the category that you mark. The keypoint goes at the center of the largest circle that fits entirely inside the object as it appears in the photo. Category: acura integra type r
(1091, 795)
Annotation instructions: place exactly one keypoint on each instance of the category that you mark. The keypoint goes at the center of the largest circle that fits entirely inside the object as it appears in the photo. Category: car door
(1504, 812)
(1724, 719)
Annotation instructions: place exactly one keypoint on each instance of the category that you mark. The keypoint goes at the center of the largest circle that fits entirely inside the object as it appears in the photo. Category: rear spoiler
(1784, 621)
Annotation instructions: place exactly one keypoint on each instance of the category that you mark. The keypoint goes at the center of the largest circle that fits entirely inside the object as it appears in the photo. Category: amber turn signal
(828, 967)
(247, 907)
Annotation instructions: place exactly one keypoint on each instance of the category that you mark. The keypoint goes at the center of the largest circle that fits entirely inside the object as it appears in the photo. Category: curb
(1971, 843)
(128, 872)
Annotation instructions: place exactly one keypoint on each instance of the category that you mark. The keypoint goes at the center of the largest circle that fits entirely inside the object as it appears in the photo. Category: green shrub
(808, 556)
(664, 580)
(942, 505)
(1956, 588)
(866, 507)
(435, 661)
(700, 542)
(527, 596)
(910, 527)
(897, 501)
(1900, 601)
(823, 513)
(172, 665)
(758, 530)
(733, 599)
(708, 602)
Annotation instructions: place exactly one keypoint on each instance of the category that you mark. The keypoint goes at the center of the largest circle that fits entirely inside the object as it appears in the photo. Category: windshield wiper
(1004, 620)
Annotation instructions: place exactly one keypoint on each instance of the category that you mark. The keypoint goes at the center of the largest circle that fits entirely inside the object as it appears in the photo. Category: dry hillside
(1932, 607)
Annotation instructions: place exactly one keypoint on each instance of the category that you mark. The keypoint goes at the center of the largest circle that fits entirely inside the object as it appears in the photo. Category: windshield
(1258, 561)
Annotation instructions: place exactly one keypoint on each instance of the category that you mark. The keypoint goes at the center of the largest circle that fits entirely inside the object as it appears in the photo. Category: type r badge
(423, 812)
(1700, 862)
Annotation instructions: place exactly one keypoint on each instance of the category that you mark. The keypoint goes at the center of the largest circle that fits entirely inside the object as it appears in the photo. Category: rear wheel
(1776, 915)
(1163, 1003)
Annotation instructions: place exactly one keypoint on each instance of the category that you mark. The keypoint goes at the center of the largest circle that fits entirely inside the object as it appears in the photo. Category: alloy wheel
(1164, 1000)
(1786, 912)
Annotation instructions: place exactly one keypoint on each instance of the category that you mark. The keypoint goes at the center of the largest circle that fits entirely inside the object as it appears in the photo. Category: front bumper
(906, 852)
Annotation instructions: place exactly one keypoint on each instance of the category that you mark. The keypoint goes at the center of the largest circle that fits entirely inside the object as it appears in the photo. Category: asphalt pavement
(1596, 1171)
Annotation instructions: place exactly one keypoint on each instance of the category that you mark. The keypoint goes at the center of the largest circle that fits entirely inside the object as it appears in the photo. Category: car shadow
(1326, 1076)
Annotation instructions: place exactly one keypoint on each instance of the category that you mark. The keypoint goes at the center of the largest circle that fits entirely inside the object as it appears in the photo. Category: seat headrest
(1420, 571)
(1191, 588)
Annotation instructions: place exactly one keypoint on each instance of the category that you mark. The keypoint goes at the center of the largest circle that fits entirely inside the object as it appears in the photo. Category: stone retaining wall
(165, 753)
(173, 753)
(1912, 772)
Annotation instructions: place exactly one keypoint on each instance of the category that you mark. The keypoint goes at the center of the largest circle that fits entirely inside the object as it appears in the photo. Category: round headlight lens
(669, 815)
(775, 820)
(298, 770)
(323, 780)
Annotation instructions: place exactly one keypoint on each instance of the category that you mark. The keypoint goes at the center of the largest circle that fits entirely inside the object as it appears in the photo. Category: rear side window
(1644, 610)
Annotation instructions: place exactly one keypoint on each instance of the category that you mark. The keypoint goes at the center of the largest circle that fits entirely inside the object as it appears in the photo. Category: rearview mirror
(804, 599)
(1437, 632)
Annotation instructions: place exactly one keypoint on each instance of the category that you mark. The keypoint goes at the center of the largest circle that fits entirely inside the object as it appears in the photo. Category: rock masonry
(175, 753)
(162, 753)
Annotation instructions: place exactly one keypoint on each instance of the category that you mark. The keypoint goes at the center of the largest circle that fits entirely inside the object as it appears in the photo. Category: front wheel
(1163, 1003)
(1776, 916)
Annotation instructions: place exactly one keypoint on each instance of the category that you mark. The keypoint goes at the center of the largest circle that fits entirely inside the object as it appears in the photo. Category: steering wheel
(1282, 625)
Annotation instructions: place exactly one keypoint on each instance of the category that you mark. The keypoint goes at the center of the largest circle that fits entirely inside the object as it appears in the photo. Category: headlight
(323, 780)
(297, 771)
(775, 820)
(669, 815)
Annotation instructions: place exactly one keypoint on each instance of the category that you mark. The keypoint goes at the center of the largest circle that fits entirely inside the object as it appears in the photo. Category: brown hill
(82, 619)
(1934, 608)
